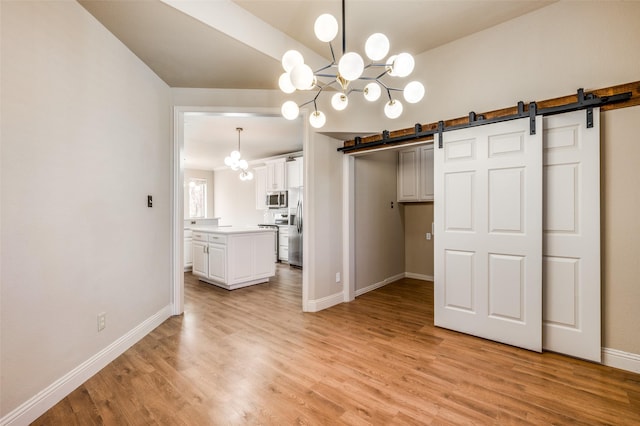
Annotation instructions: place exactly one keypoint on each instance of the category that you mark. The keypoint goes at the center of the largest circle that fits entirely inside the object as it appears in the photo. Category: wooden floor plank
(251, 356)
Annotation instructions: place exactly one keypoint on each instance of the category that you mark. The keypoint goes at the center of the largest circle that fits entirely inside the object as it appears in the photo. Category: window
(197, 198)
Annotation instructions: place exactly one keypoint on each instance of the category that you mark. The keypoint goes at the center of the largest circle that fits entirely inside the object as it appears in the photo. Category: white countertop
(230, 229)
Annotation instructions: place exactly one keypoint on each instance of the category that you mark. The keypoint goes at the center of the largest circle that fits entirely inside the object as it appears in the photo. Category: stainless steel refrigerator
(295, 236)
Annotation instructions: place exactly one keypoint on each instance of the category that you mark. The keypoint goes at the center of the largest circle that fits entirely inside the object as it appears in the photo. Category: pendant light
(235, 162)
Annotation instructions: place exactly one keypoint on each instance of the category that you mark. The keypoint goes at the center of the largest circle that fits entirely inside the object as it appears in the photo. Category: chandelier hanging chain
(344, 32)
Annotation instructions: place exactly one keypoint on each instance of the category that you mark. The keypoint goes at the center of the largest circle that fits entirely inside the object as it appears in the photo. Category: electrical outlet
(102, 321)
(428, 236)
(337, 277)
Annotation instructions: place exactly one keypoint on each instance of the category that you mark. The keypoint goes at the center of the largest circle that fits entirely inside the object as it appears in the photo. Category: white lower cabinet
(218, 262)
(234, 259)
(200, 256)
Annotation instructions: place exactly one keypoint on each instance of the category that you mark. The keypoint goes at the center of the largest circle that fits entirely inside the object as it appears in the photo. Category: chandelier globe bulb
(317, 119)
(285, 84)
(393, 109)
(339, 101)
(350, 66)
(372, 92)
(413, 92)
(377, 46)
(326, 27)
(290, 59)
(403, 64)
(302, 77)
(290, 110)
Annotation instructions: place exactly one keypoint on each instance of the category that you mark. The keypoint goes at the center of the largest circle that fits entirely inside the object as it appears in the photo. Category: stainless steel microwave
(277, 200)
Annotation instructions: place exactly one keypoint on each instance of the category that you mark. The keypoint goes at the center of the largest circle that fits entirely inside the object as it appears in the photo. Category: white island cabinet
(232, 257)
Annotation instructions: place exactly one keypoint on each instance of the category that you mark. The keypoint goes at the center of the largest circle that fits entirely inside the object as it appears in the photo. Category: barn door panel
(571, 248)
(488, 244)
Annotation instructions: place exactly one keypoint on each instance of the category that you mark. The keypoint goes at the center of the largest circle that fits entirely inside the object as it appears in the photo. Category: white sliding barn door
(571, 247)
(488, 232)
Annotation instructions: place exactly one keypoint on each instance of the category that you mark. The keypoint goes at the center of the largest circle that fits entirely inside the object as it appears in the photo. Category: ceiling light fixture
(234, 161)
(350, 68)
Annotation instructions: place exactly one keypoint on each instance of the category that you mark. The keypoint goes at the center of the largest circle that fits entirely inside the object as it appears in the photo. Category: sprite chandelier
(349, 69)
(234, 161)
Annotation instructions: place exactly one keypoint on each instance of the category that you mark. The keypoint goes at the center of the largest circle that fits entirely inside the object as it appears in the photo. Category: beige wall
(323, 216)
(86, 136)
(199, 174)
(620, 203)
(379, 233)
(418, 251)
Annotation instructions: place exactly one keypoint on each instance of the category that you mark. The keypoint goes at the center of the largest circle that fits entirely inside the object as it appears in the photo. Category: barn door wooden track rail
(607, 98)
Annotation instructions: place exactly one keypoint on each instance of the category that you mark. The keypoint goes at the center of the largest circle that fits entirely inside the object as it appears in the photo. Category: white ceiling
(209, 137)
(240, 45)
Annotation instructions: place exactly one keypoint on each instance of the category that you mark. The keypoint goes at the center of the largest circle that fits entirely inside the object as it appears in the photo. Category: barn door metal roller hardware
(584, 101)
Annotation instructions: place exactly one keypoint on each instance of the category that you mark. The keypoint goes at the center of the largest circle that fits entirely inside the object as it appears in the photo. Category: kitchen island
(233, 257)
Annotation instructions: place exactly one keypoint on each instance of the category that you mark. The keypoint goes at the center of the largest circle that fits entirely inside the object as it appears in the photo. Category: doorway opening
(210, 141)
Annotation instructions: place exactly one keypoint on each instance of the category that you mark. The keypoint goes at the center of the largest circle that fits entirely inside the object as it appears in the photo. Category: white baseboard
(382, 283)
(418, 276)
(324, 303)
(620, 359)
(55, 392)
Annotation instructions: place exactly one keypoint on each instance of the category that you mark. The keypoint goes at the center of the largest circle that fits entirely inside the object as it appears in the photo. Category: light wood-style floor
(250, 356)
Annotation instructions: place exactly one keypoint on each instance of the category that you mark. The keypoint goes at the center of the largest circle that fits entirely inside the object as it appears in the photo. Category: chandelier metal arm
(333, 55)
(319, 70)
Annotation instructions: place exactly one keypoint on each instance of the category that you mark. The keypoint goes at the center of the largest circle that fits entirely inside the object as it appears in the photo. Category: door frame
(349, 215)
(177, 195)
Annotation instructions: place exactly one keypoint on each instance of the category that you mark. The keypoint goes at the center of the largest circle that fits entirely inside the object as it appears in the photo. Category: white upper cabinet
(426, 173)
(415, 174)
(276, 175)
(295, 175)
(260, 179)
